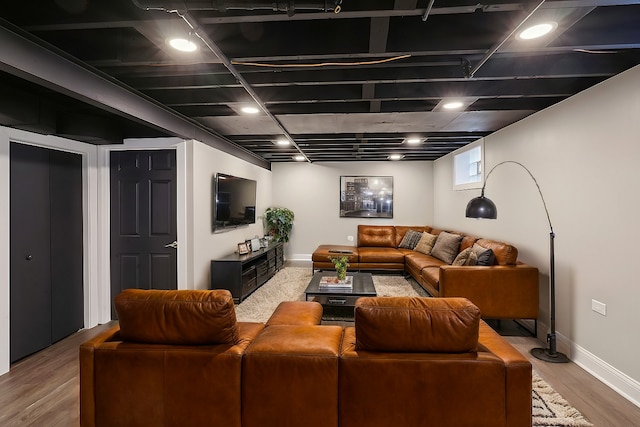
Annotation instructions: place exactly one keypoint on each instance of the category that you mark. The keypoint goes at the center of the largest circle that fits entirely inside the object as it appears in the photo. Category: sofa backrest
(177, 317)
(505, 253)
(377, 235)
(416, 325)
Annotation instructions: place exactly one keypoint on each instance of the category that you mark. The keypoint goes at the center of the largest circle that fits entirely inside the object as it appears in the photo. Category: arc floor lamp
(482, 207)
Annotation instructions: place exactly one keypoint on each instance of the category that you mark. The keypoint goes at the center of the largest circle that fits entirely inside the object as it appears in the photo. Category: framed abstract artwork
(366, 196)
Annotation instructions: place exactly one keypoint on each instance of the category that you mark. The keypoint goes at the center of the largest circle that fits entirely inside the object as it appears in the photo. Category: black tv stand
(243, 274)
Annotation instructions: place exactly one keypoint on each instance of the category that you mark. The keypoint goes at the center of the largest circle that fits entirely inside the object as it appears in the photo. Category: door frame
(104, 154)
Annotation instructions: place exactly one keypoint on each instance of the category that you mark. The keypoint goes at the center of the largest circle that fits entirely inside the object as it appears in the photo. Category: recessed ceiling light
(395, 156)
(299, 158)
(250, 110)
(183, 45)
(538, 30)
(452, 105)
(282, 141)
(413, 140)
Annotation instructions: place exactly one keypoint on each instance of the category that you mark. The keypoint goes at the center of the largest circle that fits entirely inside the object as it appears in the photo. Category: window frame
(456, 165)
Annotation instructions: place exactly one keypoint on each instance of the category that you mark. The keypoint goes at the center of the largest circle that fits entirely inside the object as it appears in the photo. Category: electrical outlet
(599, 307)
(350, 238)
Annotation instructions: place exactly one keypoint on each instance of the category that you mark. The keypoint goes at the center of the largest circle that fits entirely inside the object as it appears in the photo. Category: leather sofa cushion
(431, 275)
(416, 325)
(177, 317)
(380, 255)
(377, 236)
(505, 254)
(418, 261)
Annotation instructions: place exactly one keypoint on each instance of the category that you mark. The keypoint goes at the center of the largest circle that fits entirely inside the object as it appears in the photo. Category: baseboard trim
(617, 380)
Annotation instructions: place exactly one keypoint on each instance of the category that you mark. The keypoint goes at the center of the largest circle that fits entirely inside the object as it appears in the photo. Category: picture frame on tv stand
(243, 249)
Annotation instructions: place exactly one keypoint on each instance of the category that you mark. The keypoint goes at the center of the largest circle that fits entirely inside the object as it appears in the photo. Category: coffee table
(340, 297)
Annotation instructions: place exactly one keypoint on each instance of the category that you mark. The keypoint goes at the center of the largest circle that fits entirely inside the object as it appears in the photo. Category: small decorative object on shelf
(341, 264)
(243, 248)
(255, 244)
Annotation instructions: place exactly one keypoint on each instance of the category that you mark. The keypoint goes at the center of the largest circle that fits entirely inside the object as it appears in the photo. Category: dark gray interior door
(46, 302)
(143, 220)
(67, 300)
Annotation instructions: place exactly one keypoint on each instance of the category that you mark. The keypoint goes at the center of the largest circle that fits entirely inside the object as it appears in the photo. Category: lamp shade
(481, 207)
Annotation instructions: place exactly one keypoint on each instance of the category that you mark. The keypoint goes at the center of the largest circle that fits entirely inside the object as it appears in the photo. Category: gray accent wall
(590, 183)
(312, 192)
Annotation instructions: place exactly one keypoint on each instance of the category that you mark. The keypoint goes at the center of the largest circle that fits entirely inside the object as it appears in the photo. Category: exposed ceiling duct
(289, 6)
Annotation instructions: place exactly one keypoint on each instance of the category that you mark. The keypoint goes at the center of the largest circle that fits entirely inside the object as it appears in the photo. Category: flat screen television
(234, 201)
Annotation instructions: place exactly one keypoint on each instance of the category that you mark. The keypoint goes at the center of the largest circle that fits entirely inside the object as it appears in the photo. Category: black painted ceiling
(344, 86)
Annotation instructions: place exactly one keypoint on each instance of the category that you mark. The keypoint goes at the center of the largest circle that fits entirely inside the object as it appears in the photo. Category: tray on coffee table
(338, 295)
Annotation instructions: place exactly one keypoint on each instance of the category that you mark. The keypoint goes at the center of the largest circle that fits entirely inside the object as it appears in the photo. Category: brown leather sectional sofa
(508, 289)
(179, 358)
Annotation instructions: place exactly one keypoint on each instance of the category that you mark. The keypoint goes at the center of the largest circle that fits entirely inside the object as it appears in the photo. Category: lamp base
(544, 354)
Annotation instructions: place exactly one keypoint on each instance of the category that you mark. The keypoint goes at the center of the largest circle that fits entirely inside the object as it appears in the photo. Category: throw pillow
(410, 239)
(485, 256)
(425, 243)
(446, 247)
(466, 257)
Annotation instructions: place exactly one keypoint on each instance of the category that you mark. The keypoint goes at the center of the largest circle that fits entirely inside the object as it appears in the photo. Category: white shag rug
(549, 408)
(289, 284)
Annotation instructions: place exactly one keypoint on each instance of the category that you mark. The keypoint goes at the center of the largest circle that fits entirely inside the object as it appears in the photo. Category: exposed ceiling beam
(24, 58)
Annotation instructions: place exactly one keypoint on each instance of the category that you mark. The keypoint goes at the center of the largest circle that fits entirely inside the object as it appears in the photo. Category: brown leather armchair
(175, 359)
(429, 362)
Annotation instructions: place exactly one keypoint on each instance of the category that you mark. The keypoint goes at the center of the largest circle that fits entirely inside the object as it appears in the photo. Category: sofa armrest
(133, 383)
(87, 378)
(501, 292)
(518, 376)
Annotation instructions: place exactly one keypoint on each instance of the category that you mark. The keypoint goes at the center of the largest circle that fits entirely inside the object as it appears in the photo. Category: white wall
(584, 153)
(205, 162)
(312, 192)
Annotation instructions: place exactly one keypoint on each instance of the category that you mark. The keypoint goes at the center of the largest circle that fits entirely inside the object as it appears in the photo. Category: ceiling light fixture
(395, 156)
(183, 45)
(299, 158)
(413, 140)
(282, 142)
(537, 31)
(452, 105)
(250, 110)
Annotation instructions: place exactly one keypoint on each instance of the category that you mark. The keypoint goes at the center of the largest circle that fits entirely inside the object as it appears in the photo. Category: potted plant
(341, 265)
(279, 223)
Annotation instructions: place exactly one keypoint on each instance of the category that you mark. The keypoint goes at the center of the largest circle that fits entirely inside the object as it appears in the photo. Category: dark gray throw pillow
(446, 247)
(485, 256)
(410, 239)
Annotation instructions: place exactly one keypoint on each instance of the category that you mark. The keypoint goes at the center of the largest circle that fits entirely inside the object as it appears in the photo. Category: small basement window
(468, 165)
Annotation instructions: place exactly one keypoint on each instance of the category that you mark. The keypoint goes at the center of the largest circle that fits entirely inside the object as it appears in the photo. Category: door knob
(28, 257)
(173, 245)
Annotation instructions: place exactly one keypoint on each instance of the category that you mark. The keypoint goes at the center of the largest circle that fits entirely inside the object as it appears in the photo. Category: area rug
(549, 408)
(289, 285)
